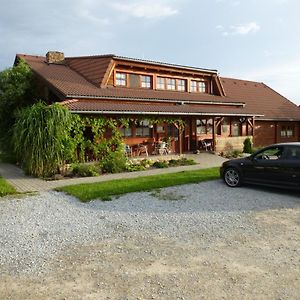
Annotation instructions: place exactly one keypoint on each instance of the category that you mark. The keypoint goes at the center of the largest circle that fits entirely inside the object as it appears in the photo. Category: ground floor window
(142, 128)
(126, 132)
(204, 126)
(287, 131)
(235, 127)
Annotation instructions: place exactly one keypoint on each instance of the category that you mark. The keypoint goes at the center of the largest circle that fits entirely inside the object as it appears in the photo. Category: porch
(209, 133)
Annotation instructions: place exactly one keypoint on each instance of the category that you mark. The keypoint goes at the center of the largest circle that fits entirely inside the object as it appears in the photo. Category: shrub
(114, 162)
(247, 146)
(84, 170)
(160, 164)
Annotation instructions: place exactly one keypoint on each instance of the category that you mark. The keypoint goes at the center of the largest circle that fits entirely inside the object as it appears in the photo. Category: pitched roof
(261, 98)
(80, 78)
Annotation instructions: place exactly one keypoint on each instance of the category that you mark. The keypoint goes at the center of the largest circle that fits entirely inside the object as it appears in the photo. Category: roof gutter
(242, 104)
(109, 112)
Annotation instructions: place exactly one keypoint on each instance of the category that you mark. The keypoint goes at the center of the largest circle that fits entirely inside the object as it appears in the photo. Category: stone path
(23, 183)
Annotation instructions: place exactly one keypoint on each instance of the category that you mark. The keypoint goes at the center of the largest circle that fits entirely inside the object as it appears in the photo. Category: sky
(255, 40)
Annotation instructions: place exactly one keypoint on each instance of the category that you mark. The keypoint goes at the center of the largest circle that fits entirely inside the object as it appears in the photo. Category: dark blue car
(276, 165)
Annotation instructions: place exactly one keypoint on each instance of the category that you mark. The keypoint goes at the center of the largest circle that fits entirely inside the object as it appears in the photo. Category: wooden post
(214, 134)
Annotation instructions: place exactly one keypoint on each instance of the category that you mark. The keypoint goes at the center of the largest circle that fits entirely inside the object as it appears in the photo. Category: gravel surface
(153, 245)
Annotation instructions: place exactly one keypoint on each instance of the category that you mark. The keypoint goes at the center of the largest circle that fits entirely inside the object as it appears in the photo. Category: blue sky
(248, 39)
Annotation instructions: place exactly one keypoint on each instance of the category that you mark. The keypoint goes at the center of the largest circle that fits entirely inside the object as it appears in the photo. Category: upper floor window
(181, 85)
(198, 86)
(145, 81)
(160, 83)
(202, 87)
(193, 86)
(121, 79)
(171, 84)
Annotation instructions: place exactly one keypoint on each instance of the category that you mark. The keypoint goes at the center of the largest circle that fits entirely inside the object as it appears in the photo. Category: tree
(16, 92)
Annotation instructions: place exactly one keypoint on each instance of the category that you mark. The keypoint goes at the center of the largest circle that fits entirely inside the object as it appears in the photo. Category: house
(222, 110)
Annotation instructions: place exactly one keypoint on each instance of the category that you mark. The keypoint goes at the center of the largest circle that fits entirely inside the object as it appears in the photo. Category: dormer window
(121, 79)
(181, 85)
(171, 84)
(145, 81)
(160, 83)
(198, 86)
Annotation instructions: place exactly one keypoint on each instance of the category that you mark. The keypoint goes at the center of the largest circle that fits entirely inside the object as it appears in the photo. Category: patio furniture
(206, 145)
(142, 149)
(161, 148)
(127, 150)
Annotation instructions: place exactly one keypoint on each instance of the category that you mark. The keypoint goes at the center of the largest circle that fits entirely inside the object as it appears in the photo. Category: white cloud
(146, 8)
(251, 27)
(245, 29)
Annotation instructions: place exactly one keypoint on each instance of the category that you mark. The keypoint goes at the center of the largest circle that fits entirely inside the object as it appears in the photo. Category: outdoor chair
(127, 150)
(206, 145)
(161, 148)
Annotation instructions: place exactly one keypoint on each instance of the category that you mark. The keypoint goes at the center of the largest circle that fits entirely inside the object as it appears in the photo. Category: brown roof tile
(81, 105)
(91, 68)
(261, 98)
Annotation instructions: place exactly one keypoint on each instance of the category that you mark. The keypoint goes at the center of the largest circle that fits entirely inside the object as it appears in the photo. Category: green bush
(84, 170)
(247, 146)
(161, 164)
(114, 162)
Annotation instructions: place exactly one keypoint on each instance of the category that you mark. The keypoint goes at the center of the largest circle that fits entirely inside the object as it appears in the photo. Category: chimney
(55, 57)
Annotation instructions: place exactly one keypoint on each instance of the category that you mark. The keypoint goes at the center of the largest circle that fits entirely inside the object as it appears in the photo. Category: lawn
(6, 188)
(105, 190)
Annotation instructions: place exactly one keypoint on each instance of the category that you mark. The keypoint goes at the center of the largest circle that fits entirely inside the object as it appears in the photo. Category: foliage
(6, 188)
(40, 136)
(84, 170)
(113, 162)
(161, 164)
(16, 92)
(181, 162)
(247, 146)
(105, 190)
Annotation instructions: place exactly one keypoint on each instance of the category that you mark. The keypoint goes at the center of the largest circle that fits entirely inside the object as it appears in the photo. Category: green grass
(6, 188)
(104, 190)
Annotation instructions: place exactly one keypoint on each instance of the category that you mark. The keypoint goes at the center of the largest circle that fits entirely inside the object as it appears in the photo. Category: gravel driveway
(197, 241)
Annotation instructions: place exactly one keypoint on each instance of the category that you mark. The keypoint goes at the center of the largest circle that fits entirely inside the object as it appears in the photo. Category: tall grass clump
(39, 136)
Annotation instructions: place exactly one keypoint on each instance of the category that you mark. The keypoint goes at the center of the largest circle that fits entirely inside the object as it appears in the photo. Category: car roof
(288, 144)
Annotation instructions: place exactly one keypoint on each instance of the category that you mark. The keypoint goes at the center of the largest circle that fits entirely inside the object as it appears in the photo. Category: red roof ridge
(242, 80)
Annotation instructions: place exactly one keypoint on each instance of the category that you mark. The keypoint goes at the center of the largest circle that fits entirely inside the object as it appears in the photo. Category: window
(204, 126)
(193, 86)
(198, 86)
(202, 87)
(145, 81)
(142, 128)
(126, 132)
(272, 153)
(287, 131)
(236, 128)
(121, 79)
(171, 84)
(160, 83)
(181, 85)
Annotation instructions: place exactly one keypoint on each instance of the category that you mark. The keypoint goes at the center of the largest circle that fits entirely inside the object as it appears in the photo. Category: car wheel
(232, 177)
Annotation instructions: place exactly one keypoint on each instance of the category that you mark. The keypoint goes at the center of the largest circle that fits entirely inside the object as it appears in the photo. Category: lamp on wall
(242, 119)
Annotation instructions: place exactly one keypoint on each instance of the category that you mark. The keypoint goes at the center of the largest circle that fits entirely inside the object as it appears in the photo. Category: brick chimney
(55, 57)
